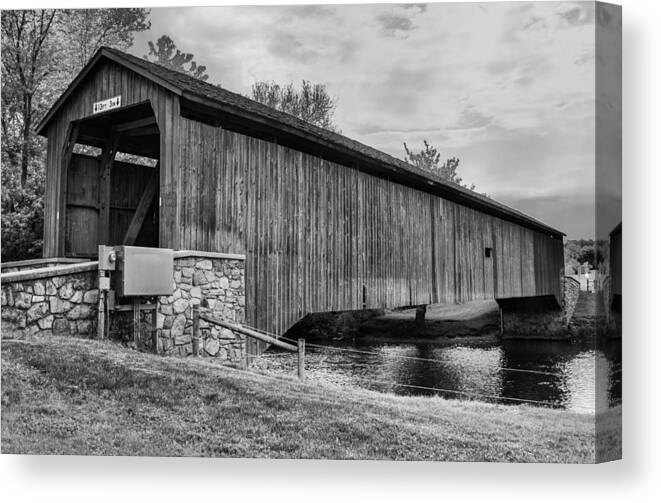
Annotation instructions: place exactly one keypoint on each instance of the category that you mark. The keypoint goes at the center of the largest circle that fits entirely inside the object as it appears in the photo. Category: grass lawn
(74, 396)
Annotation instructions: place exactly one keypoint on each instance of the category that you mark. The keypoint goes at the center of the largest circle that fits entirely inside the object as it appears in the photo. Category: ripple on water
(558, 374)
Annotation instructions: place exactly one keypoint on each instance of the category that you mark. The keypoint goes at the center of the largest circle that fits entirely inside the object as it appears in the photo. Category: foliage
(42, 51)
(22, 213)
(82, 32)
(581, 251)
(165, 53)
(311, 102)
(429, 159)
(27, 60)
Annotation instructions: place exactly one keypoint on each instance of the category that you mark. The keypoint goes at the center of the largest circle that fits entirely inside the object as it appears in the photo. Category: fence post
(196, 330)
(301, 359)
(101, 306)
(136, 322)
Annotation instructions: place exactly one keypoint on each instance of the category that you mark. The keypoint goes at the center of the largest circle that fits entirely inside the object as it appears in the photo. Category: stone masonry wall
(62, 300)
(541, 325)
(544, 324)
(198, 280)
(570, 292)
(50, 302)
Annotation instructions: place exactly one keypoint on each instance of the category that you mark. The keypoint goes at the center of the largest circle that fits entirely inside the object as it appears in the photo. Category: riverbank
(73, 396)
(475, 319)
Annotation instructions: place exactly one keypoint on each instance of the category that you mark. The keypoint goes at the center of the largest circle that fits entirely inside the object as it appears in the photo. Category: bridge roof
(221, 100)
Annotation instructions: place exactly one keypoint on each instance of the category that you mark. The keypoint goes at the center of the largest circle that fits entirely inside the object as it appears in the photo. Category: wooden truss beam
(67, 152)
(105, 171)
(143, 207)
(147, 121)
(142, 131)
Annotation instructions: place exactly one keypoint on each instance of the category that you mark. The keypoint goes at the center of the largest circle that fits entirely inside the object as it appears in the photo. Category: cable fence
(315, 348)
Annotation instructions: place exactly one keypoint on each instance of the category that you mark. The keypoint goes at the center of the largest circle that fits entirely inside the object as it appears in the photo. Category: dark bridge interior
(112, 196)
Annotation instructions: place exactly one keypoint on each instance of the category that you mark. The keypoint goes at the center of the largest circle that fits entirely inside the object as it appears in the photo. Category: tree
(311, 102)
(165, 53)
(82, 32)
(22, 213)
(26, 62)
(581, 251)
(429, 159)
(42, 51)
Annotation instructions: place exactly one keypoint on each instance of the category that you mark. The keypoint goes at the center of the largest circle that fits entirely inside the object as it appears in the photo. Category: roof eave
(412, 176)
(101, 53)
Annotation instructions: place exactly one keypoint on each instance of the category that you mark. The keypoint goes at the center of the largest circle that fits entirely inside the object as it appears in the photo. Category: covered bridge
(326, 223)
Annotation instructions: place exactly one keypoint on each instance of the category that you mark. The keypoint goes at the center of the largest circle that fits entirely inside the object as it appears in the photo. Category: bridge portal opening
(110, 181)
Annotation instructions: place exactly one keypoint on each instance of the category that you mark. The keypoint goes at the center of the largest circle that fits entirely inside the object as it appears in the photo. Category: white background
(58, 478)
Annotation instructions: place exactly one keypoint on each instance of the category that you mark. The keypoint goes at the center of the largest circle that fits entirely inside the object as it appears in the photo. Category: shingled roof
(216, 96)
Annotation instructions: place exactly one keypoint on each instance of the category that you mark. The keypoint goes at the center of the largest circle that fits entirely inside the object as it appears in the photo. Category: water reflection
(557, 374)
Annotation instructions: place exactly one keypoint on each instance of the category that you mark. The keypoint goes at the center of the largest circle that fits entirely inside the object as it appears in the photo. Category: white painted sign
(109, 104)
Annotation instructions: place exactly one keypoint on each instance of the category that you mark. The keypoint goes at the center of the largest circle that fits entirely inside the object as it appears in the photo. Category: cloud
(393, 24)
(308, 11)
(421, 7)
(404, 89)
(519, 8)
(346, 50)
(573, 215)
(471, 118)
(398, 21)
(579, 16)
(369, 129)
(604, 17)
(501, 67)
(287, 46)
(508, 88)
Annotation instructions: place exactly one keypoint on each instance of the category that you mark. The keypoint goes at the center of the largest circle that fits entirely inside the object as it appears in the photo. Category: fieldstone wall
(216, 282)
(63, 300)
(549, 325)
(571, 289)
(541, 323)
(54, 300)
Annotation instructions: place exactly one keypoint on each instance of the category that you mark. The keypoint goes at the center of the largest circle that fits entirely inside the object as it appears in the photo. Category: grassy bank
(70, 396)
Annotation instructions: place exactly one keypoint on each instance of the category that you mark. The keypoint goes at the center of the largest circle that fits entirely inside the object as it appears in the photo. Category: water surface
(547, 373)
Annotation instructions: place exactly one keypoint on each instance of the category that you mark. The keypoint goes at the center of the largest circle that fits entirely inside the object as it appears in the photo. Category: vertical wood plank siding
(314, 232)
(317, 235)
(110, 80)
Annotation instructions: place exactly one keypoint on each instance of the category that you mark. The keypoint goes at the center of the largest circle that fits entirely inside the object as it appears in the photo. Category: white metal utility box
(140, 271)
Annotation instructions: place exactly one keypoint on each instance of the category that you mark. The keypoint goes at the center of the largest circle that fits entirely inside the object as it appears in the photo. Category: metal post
(136, 322)
(301, 359)
(156, 331)
(101, 315)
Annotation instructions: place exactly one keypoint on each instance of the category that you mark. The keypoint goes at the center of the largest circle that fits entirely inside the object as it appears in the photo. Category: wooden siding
(317, 234)
(128, 181)
(109, 80)
(82, 215)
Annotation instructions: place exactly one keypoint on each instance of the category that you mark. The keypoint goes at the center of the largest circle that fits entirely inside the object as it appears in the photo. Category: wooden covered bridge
(326, 223)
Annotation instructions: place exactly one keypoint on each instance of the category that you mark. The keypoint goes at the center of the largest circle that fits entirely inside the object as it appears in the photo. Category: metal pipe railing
(235, 327)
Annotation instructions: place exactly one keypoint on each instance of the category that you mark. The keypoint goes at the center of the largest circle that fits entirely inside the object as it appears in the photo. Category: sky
(508, 88)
